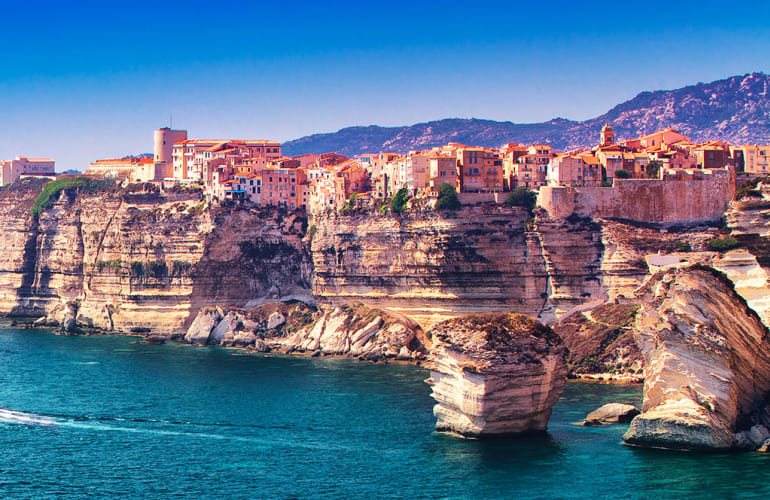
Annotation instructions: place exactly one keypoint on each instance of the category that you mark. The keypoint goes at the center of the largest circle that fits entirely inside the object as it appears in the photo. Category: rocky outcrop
(352, 330)
(601, 341)
(611, 413)
(358, 331)
(495, 374)
(707, 361)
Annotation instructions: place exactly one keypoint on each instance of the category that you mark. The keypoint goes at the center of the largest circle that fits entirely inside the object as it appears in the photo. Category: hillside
(734, 109)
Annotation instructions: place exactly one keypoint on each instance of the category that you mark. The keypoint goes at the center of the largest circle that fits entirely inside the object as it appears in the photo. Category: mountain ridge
(735, 109)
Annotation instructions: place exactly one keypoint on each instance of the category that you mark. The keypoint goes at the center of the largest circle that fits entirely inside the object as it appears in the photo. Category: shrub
(683, 246)
(197, 209)
(447, 198)
(522, 197)
(180, 268)
(311, 231)
(723, 244)
(399, 200)
(137, 269)
(622, 174)
(653, 169)
(157, 269)
(113, 265)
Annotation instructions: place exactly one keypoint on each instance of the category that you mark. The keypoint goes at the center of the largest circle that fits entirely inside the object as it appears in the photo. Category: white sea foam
(19, 417)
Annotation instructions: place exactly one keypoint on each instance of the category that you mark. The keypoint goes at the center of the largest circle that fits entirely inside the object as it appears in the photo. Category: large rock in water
(611, 413)
(495, 374)
(707, 363)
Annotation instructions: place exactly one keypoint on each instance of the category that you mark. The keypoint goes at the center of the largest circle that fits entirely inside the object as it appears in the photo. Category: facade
(195, 159)
(756, 159)
(481, 169)
(443, 170)
(668, 136)
(132, 169)
(12, 170)
(575, 170)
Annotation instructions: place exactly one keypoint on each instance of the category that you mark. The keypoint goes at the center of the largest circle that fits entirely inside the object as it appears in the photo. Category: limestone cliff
(433, 266)
(707, 361)
(142, 260)
(495, 374)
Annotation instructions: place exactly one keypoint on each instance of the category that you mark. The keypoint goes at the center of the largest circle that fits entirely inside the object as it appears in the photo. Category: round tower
(163, 151)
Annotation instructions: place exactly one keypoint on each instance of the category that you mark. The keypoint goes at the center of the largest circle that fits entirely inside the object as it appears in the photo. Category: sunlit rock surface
(707, 361)
(495, 374)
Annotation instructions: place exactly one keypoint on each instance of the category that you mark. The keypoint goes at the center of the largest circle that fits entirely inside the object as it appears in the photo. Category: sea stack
(495, 374)
(707, 361)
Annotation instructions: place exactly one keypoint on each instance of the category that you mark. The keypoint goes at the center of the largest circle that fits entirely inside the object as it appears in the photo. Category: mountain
(734, 109)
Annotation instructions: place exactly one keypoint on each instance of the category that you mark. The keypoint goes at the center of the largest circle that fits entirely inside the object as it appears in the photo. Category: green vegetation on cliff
(447, 198)
(522, 197)
(52, 189)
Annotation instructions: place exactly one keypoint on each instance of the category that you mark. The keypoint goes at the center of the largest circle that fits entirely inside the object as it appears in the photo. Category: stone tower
(606, 136)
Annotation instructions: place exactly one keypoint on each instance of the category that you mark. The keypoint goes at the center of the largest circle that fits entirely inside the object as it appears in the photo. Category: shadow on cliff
(262, 260)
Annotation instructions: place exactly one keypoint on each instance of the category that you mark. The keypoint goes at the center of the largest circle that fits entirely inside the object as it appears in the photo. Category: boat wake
(158, 427)
(19, 417)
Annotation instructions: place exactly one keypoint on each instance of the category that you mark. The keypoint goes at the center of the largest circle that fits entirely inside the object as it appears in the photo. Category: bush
(180, 268)
(399, 200)
(522, 197)
(622, 174)
(447, 198)
(653, 169)
(723, 244)
(311, 231)
(113, 265)
(137, 269)
(197, 209)
(683, 246)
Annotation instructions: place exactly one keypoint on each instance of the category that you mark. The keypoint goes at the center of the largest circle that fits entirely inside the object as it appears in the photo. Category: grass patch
(52, 189)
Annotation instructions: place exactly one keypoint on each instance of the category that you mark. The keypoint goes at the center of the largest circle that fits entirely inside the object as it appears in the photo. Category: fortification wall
(680, 197)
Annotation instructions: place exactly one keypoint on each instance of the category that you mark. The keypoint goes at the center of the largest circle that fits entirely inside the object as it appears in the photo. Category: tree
(399, 200)
(653, 169)
(622, 174)
(522, 197)
(447, 198)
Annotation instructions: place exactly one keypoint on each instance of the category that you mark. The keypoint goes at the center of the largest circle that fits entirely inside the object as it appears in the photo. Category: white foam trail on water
(31, 419)
(19, 417)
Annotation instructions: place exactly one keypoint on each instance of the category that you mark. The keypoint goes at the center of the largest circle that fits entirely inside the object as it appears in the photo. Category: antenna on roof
(170, 121)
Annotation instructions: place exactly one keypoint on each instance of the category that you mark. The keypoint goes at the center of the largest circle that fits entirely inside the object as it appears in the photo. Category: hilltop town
(256, 172)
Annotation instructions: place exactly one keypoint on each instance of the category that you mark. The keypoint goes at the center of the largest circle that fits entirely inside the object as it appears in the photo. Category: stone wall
(683, 196)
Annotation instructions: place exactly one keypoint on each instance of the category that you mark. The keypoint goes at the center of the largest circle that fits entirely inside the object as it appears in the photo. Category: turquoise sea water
(105, 416)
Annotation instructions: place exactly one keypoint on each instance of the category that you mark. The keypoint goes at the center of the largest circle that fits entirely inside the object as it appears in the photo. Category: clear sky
(89, 80)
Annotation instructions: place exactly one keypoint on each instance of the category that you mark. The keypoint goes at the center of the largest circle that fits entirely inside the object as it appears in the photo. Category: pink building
(11, 170)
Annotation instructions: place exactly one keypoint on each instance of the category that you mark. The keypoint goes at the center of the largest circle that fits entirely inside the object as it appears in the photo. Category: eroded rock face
(362, 332)
(495, 374)
(144, 261)
(707, 361)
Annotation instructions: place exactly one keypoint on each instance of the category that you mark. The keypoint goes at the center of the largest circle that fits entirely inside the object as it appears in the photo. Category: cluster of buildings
(257, 171)
(12, 170)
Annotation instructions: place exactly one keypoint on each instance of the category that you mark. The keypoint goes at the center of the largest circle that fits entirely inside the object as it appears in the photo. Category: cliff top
(491, 338)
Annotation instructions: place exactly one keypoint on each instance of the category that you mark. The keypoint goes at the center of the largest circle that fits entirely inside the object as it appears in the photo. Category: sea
(107, 416)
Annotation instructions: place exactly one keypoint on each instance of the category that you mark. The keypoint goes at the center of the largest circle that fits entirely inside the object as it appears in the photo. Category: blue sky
(89, 81)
